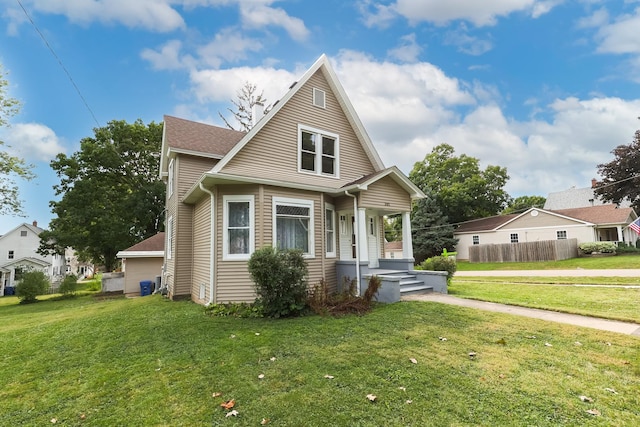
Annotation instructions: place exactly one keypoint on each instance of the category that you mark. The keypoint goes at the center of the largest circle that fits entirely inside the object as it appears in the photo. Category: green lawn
(149, 361)
(606, 262)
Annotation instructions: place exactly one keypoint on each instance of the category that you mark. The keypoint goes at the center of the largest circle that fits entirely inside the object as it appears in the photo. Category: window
(170, 179)
(318, 98)
(10, 255)
(170, 237)
(330, 229)
(514, 237)
(238, 227)
(318, 152)
(476, 240)
(293, 225)
(372, 226)
(23, 233)
(343, 225)
(561, 234)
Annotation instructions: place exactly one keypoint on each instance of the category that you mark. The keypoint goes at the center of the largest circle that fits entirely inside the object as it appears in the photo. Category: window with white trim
(293, 225)
(238, 227)
(318, 152)
(561, 234)
(170, 178)
(476, 240)
(170, 237)
(23, 233)
(330, 229)
(514, 237)
(10, 255)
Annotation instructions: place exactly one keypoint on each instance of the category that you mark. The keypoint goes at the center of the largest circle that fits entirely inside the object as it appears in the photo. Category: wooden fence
(546, 250)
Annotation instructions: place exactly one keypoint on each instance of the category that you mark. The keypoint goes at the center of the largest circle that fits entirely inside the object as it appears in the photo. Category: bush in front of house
(69, 286)
(32, 284)
(280, 279)
(441, 263)
(597, 247)
(626, 248)
(346, 302)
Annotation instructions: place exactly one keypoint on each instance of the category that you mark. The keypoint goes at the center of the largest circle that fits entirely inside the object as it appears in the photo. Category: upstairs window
(23, 233)
(10, 255)
(170, 178)
(318, 152)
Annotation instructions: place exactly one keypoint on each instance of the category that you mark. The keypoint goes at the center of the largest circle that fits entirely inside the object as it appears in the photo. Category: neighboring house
(18, 255)
(393, 250)
(142, 262)
(305, 176)
(586, 224)
(577, 198)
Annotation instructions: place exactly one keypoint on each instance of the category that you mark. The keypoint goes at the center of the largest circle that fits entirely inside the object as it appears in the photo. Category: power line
(84, 101)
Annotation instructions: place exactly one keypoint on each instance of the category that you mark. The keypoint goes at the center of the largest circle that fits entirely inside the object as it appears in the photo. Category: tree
(522, 203)
(430, 230)
(32, 284)
(460, 189)
(621, 176)
(11, 167)
(247, 98)
(112, 197)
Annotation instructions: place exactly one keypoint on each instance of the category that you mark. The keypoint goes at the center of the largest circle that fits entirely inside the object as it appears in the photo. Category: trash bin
(9, 290)
(145, 287)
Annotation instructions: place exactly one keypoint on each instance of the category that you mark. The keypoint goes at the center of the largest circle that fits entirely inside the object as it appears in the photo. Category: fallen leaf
(626, 362)
(408, 402)
(232, 336)
(264, 421)
(472, 354)
(502, 376)
(586, 399)
(257, 333)
(608, 343)
(273, 359)
(402, 388)
(216, 394)
(577, 343)
(53, 420)
(83, 416)
(610, 390)
(442, 338)
(261, 376)
(501, 341)
(547, 345)
(228, 404)
(413, 360)
(233, 413)
(372, 397)
(329, 377)
(531, 337)
(593, 412)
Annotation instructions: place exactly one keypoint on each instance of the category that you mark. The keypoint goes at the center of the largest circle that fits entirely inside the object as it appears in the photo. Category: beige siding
(139, 269)
(541, 220)
(188, 171)
(201, 250)
(273, 153)
(385, 194)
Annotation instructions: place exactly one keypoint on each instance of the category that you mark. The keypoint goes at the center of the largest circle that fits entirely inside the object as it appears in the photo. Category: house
(306, 176)
(577, 198)
(393, 250)
(586, 224)
(142, 262)
(18, 254)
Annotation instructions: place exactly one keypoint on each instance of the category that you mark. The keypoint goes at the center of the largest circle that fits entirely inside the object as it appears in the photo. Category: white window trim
(318, 160)
(330, 207)
(226, 256)
(170, 180)
(295, 202)
(170, 237)
(315, 98)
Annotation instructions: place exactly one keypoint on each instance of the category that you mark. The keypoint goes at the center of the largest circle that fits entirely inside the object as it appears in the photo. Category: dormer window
(318, 152)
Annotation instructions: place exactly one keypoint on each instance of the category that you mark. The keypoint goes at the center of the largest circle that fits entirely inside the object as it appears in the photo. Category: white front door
(373, 243)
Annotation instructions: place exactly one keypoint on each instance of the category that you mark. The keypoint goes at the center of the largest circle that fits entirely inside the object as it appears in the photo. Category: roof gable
(321, 65)
(29, 227)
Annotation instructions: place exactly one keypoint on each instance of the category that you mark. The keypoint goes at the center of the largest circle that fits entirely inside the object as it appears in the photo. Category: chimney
(35, 223)
(594, 182)
(257, 112)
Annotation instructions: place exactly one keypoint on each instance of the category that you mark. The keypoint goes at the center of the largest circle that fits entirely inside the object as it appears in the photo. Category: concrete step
(415, 288)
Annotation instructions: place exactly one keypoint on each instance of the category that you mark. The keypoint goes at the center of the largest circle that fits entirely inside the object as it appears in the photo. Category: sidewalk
(578, 272)
(551, 316)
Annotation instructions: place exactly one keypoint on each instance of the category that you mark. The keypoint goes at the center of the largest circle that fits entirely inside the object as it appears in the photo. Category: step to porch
(409, 285)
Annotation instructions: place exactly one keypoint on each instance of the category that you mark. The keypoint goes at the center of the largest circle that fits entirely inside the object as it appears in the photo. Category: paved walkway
(552, 316)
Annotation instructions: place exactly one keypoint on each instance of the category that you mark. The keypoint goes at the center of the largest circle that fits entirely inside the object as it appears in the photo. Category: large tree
(11, 167)
(246, 99)
(431, 232)
(522, 203)
(112, 197)
(459, 187)
(621, 176)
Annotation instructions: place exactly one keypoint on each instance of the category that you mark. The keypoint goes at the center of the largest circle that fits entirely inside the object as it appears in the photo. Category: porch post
(407, 245)
(363, 243)
(620, 237)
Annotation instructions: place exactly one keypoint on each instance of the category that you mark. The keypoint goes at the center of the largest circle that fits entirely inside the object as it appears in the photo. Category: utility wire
(84, 101)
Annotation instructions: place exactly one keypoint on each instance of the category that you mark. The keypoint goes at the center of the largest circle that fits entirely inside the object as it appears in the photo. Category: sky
(545, 88)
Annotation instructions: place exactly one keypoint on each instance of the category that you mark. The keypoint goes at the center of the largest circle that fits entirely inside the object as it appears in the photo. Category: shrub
(280, 281)
(32, 284)
(323, 302)
(234, 309)
(69, 286)
(598, 247)
(441, 263)
(625, 248)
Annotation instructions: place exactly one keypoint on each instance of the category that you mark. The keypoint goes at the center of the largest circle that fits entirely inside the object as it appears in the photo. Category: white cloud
(229, 45)
(597, 19)
(33, 141)
(257, 15)
(168, 57)
(407, 51)
(621, 36)
(466, 43)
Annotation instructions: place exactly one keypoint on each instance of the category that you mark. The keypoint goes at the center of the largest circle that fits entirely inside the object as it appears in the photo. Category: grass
(608, 302)
(590, 263)
(149, 361)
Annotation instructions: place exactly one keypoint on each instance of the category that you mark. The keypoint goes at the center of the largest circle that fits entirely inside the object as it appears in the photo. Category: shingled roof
(484, 224)
(152, 244)
(187, 136)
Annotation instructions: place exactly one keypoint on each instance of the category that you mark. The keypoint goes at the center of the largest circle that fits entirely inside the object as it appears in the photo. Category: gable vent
(318, 98)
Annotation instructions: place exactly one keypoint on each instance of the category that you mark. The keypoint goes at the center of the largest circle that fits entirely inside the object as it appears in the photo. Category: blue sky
(545, 88)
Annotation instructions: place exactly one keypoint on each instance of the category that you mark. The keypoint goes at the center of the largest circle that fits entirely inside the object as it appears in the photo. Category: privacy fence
(546, 250)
